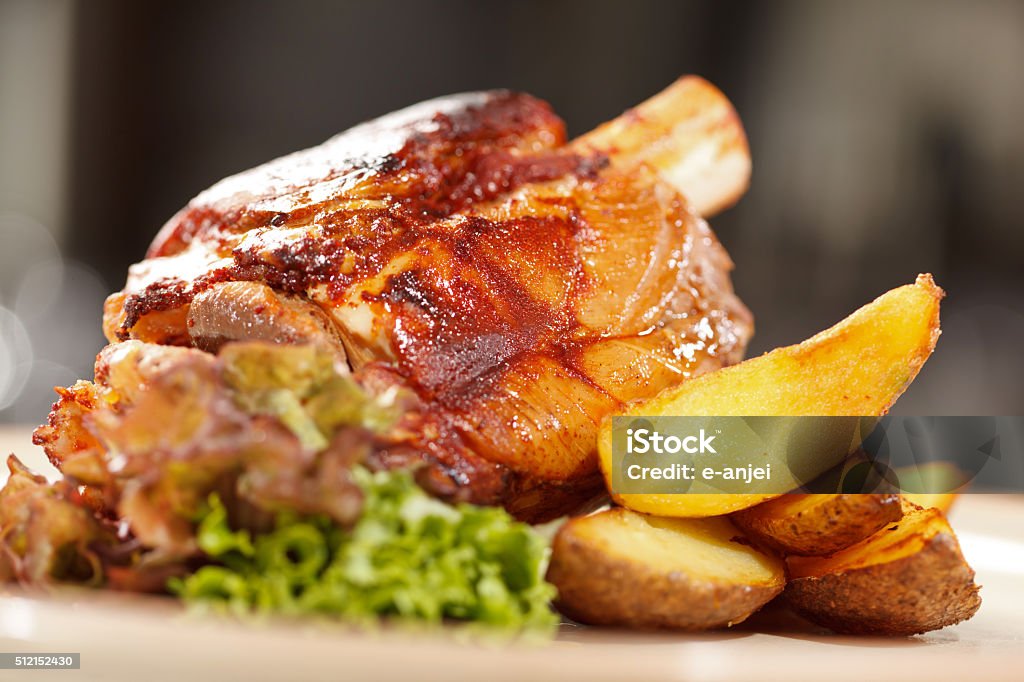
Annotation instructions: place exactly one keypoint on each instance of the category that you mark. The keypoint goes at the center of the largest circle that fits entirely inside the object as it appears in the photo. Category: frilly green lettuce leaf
(409, 557)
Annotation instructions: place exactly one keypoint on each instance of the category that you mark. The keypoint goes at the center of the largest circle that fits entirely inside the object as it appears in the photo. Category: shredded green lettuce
(409, 557)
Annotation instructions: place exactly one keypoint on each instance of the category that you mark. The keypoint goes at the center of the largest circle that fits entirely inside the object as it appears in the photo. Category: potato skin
(927, 590)
(824, 529)
(599, 589)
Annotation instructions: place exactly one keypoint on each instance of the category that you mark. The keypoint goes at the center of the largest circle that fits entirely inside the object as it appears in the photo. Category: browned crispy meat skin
(522, 287)
(362, 192)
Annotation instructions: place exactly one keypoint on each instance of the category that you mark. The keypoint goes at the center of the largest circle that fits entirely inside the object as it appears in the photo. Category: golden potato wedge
(859, 367)
(906, 579)
(618, 567)
(818, 525)
(941, 501)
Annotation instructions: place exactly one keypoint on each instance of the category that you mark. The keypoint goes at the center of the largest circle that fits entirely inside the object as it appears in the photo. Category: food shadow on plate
(777, 619)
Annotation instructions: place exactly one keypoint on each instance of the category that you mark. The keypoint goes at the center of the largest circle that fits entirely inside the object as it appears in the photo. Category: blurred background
(887, 137)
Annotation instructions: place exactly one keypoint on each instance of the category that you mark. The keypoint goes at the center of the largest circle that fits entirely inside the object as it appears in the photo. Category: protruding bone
(691, 134)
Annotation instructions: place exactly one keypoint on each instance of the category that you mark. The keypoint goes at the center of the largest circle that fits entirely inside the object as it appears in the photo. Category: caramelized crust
(329, 215)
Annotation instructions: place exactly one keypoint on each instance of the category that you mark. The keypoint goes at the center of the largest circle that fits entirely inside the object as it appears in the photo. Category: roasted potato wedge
(817, 525)
(618, 567)
(941, 501)
(906, 579)
(859, 367)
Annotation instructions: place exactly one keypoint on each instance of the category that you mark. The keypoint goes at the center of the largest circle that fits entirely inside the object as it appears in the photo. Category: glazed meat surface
(522, 287)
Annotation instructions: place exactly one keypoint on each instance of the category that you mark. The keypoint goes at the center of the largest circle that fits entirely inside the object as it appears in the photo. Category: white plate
(124, 637)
